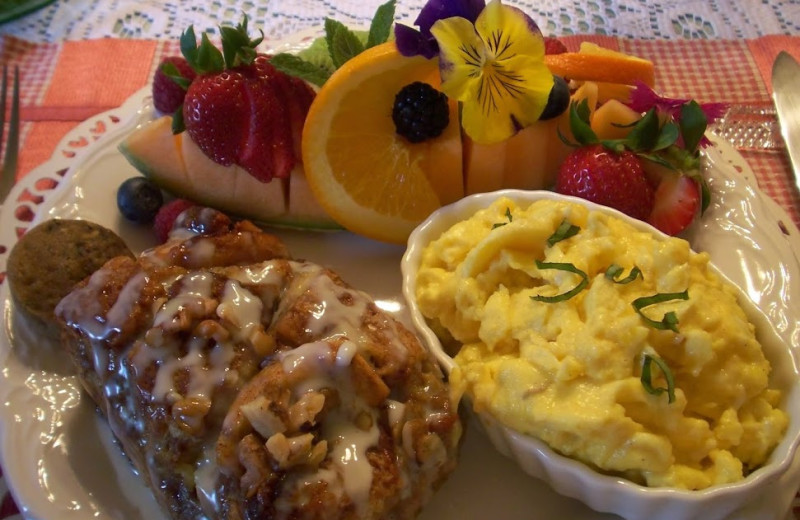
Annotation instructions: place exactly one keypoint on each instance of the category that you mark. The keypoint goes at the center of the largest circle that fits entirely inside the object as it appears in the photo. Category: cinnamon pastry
(244, 384)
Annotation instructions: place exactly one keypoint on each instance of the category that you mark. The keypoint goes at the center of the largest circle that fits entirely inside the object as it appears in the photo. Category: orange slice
(594, 63)
(369, 179)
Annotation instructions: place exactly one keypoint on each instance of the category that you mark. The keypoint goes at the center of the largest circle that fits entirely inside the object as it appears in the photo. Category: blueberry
(138, 200)
(558, 101)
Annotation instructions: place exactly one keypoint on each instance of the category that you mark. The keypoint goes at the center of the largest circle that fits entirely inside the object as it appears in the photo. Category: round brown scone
(51, 258)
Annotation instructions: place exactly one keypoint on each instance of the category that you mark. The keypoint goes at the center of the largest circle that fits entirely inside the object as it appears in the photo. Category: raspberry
(166, 216)
(553, 45)
(168, 95)
(420, 112)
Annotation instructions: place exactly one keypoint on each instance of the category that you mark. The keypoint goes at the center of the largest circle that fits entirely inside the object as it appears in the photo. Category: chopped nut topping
(262, 418)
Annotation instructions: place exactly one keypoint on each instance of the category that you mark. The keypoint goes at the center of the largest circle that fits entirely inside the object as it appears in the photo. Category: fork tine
(8, 172)
(3, 92)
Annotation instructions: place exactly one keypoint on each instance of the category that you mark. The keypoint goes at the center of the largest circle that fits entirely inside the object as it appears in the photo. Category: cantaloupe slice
(177, 165)
(484, 165)
(613, 120)
(444, 168)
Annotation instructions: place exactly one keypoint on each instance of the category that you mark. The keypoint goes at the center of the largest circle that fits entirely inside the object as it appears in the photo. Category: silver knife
(786, 92)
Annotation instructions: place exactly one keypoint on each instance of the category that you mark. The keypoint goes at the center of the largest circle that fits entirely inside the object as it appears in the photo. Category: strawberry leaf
(579, 123)
(644, 134)
(178, 125)
(172, 72)
(208, 58)
(237, 47)
(381, 24)
(189, 46)
(295, 66)
(667, 136)
(693, 124)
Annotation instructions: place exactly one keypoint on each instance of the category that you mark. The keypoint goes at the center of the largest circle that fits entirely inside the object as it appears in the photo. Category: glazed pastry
(244, 384)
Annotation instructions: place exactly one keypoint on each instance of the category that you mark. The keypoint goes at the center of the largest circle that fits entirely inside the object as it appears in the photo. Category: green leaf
(647, 378)
(562, 267)
(237, 47)
(178, 125)
(172, 72)
(644, 134)
(508, 216)
(209, 58)
(667, 136)
(381, 25)
(563, 232)
(346, 45)
(614, 271)
(189, 46)
(296, 66)
(693, 125)
(670, 319)
(579, 123)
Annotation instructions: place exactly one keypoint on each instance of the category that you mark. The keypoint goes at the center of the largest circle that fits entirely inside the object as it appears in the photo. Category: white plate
(59, 457)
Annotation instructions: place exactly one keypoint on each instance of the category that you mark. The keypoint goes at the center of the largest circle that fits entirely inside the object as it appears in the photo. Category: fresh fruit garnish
(138, 200)
(553, 45)
(367, 177)
(596, 63)
(165, 218)
(495, 69)
(172, 78)
(607, 177)
(420, 112)
(240, 109)
(676, 203)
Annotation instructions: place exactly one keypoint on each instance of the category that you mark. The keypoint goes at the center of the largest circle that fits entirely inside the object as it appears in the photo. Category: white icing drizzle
(195, 290)
(240, 308)
(348, 444)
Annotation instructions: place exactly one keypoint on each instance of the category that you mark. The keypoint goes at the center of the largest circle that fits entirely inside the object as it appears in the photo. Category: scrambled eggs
(669, 392)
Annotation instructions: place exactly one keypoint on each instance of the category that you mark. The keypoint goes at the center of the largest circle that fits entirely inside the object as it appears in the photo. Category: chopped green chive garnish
(567, 295)
(564, 231)
(508, 216)
(647, 378)
(670, 320)
(614, 272)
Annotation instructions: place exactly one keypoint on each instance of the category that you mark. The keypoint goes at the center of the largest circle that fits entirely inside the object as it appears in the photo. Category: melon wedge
(178, 166)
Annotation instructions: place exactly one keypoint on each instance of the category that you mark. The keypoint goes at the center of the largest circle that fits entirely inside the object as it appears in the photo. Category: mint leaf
(346, 45)
(693, 125)
(332, 27)
(295, 66)
(381, 25)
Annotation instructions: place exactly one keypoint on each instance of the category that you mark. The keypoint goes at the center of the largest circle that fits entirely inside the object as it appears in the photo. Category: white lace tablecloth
(677, 19)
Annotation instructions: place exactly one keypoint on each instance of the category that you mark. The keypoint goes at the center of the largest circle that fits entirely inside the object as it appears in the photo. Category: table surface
(81, 57)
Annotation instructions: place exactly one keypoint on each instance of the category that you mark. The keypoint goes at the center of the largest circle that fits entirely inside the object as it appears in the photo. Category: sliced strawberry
(677, 203)
(607, 177)
(267, 149)
(216, 113)
(168, 95)
(553, 45)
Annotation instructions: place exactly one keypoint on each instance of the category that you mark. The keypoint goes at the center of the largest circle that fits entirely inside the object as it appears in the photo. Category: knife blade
(786, 94)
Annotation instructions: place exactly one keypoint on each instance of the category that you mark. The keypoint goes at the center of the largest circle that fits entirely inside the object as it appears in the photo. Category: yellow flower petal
(462, 55)
(497, 73)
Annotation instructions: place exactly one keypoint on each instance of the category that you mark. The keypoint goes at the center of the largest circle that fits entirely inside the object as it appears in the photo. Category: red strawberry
(166, 216)
(553, 45)
(607, 177)
(168, 95)
(216, 113)
(240, 110)
(677, 202)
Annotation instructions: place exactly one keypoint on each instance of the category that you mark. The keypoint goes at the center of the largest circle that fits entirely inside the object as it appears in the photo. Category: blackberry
(420, 112)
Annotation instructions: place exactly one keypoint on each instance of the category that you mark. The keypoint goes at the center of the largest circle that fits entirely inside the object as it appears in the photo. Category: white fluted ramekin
(574, 479)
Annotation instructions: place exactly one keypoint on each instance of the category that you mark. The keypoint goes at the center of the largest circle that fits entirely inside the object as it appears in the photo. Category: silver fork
(8, 172)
